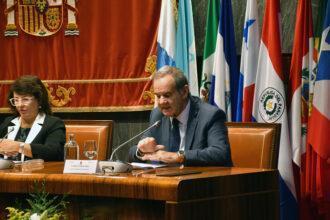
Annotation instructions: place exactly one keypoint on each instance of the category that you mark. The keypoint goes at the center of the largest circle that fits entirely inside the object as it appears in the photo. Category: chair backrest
(99, 130)
(254, 145)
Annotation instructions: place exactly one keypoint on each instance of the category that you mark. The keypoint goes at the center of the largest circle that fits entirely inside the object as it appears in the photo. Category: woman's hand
(9, 148)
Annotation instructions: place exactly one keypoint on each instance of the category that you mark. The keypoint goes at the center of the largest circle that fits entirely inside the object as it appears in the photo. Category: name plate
(80, 166)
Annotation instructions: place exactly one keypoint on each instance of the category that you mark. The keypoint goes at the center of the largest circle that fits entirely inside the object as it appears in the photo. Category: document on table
(146, 165)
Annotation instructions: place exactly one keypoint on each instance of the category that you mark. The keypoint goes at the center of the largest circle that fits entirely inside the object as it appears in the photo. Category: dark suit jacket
(48, 144)
(206, 136)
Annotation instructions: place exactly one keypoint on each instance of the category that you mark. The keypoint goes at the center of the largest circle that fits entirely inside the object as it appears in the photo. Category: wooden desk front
(215, 193)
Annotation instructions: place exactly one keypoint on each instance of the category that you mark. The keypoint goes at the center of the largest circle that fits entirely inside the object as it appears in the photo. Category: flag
(176, 40)
(270, 103)
(318, 28)
(301, 70)
(317, 36)
(319, 126)
(249, 62)
(212, 24)
(185, 56)
(166, 34)
(301, 66)
(223, 92)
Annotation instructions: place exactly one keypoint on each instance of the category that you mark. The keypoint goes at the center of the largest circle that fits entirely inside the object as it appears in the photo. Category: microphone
(4, 163)
(157, 123)
(4, 137)
(11, 129)
(119, 166)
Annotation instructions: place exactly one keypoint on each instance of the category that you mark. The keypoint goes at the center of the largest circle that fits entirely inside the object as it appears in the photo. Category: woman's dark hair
(31, 85)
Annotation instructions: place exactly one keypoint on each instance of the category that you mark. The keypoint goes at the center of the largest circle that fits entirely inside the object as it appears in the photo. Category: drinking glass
(90, 149)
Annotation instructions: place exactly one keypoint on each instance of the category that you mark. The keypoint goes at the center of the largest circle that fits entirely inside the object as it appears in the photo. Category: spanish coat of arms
(40, 17)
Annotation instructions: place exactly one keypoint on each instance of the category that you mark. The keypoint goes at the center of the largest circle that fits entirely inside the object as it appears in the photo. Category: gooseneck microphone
(4, 163)
(120, 166)
(4, 137)
(11, 129)
(157, 123)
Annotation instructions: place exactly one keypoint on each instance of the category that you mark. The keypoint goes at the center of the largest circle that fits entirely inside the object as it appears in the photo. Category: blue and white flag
(249, 62)
(185, 56)
(176, 40)
(166, 41)
(223, 92)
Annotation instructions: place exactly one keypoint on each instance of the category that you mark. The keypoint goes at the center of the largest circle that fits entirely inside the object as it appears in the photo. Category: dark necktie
(175, 136)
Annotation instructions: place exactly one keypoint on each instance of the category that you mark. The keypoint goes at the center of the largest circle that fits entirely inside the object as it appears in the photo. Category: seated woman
(32, 129)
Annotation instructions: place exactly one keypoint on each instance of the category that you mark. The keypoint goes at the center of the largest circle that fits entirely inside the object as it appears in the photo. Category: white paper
(80, 166)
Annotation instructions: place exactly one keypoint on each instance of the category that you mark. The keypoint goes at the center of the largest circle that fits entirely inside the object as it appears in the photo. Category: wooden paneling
(215, 192)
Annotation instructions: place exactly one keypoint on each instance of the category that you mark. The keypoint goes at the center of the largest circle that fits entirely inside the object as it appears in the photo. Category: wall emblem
(271, 105)
(40, 17)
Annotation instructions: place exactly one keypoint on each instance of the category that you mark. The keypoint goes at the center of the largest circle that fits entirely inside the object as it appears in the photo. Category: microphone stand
(5, 163)
(136, 136)
(120, 166)
(4, 137)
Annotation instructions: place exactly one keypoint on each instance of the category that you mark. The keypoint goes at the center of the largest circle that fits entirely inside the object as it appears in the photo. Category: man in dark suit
(191, 132)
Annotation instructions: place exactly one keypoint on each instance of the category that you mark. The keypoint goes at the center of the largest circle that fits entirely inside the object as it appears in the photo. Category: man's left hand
(162, 156)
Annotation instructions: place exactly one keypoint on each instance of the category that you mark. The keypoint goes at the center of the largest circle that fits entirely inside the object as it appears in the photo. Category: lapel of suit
(36, 127)
(16, 122)
(192, 122)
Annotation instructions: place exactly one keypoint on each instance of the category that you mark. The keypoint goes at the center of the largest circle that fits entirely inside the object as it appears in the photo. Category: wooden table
(214, 193)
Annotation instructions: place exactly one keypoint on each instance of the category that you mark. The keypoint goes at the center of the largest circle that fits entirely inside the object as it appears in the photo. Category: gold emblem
(150, 66)
(53, 18)
(149, 95)
(41, 5)
(62, 95)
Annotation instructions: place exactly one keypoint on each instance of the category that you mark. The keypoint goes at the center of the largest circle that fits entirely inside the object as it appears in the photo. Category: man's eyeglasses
(23, 101)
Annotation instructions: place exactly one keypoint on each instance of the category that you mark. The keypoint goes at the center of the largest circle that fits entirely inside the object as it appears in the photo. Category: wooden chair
(254, 145)
(99, 130)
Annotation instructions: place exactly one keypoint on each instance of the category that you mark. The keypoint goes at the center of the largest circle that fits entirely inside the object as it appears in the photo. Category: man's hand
(149, 145)
(163, 156)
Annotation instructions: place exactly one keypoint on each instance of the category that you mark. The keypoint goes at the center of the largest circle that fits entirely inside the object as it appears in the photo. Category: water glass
(90, 149)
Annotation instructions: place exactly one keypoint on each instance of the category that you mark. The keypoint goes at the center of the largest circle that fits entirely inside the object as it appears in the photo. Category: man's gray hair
(178, 76)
